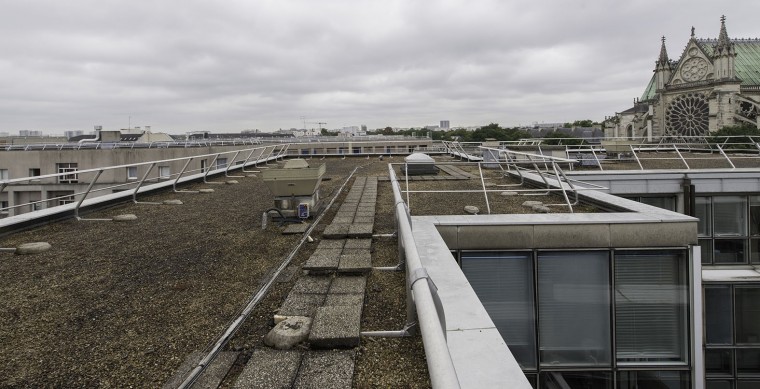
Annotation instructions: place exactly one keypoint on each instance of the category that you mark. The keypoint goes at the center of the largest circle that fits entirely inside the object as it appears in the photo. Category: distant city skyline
(181, 67)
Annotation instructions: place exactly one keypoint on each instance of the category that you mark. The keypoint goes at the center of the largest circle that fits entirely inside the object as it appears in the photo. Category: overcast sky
(230, 65)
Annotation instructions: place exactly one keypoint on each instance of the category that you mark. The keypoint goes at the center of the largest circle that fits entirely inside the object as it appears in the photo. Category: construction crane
(320, 124)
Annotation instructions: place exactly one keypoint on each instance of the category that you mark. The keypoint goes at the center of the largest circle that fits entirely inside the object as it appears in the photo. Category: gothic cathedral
(714, 83)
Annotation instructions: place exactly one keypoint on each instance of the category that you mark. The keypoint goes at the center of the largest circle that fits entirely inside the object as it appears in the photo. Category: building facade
(714, 83)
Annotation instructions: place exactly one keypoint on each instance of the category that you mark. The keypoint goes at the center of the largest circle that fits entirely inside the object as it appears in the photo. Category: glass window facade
(590, 319)
(729, 229)
(732, 335)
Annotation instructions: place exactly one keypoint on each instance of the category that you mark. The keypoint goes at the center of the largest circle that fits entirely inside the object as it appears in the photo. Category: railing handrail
(440, 365)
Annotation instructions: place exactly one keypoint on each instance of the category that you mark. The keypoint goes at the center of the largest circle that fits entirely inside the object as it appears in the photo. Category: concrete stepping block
(343, 219)
(323, 259)
(348, 284)
(326, 370)
(365, 244)
(288, 333)
(336, 231)
(312, 284)
(270, 369)
(331, 244)
(336, 327)
(344, 299)
(208, 190)
(360, 230)
(172, 202)
(363, 220)
(211, 377)
(355, 263)
(301, 304)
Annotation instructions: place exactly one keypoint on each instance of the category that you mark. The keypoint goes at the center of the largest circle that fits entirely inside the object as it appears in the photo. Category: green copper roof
(651, 88)
(747, 62)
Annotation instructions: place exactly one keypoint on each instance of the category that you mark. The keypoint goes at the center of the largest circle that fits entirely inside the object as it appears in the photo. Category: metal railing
(254, 156)
(514, 163)
(430, 315)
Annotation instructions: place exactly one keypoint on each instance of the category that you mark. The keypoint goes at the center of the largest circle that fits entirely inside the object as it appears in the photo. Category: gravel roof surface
(123, 304)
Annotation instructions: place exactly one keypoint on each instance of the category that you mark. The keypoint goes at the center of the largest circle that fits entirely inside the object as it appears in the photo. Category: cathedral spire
(663, 54)
(723, 40)
(724, 54)
(663, 68)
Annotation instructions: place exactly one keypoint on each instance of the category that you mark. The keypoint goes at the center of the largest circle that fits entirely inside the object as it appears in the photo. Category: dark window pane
(703, 212)
(574, 308)
(748, 384)
(576, 379)
(748, 361)
(730, 213)
(754, 215)
(747, 315)
(668, 203)
(719, 361)
(653, 379)
(729, 250)
(718, 315)
(754, 251)
(718, 384)
(706, 248)
(504, 284)
(650, 298)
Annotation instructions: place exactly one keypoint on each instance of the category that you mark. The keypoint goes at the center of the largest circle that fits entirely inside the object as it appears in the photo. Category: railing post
(139, 184)
(84, 195)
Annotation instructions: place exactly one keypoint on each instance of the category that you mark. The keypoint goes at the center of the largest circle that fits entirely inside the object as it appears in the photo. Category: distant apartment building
(29, 133)
(114, 150)
(72, 133)
(445, 125)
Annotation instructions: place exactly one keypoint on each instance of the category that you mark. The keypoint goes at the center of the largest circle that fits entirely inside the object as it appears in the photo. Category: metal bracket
(421, 273)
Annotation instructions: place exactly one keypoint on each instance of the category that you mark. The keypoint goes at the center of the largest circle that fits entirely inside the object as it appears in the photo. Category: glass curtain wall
(590, 319)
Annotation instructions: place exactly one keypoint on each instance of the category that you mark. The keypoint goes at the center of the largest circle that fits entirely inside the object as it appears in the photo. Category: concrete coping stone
(269, 368)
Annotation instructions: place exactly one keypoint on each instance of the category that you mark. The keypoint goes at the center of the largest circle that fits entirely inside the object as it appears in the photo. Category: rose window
(687, 116)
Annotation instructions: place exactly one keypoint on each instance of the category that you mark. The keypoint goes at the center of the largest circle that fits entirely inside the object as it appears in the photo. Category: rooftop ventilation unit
(295, 187)
(419, 164)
